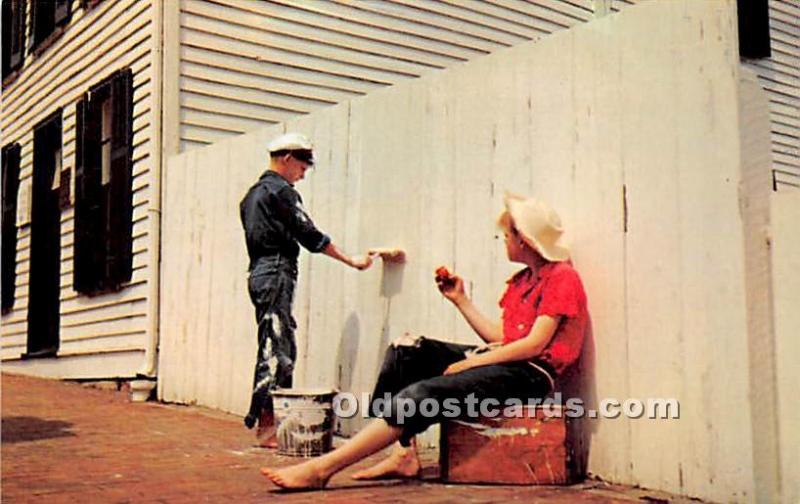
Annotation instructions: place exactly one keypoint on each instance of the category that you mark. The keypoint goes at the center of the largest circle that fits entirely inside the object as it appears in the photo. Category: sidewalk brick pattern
(63, 442)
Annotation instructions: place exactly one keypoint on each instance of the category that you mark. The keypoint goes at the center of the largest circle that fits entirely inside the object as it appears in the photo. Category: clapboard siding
(780, 76)
(247, 64)
(96, 43)
(225, 58)
(353, 26)
(239, 27)
(248, 80)
(246, 97)
(547, 16)
(75, 71)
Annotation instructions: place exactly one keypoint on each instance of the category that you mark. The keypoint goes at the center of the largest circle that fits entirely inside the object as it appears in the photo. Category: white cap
(290, 141)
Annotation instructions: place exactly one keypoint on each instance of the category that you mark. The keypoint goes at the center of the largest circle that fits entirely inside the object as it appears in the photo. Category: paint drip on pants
(271, 291)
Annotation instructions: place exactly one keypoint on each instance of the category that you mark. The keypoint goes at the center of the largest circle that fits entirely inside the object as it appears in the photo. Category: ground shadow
(20, 429)
(346, 357)
(347, 353)
(387, 483)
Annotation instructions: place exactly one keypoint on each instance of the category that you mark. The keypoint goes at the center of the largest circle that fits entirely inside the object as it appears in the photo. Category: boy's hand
(361, 263)
(451, 286)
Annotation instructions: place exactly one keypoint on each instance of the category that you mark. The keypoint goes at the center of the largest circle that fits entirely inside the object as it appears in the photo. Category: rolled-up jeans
(271, 287)
(412, 371)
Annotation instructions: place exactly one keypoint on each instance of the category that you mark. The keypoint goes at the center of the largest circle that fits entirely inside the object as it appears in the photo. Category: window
(11, 157)
(46, 15)
(103, 196)
(754, 41)
(13, 35)
(44, 280)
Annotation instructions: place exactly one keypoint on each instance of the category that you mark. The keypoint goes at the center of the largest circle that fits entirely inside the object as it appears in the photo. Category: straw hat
(538, 225)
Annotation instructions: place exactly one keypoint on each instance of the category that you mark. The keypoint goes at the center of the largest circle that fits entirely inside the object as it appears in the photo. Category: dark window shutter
(10, 185)
(89, 258)
(754, 37)
(104, 212)
(62, 11)
(120, 214)
(35, 15)
(43, 14)
(7, 29)
(13, 35)
(18, 37)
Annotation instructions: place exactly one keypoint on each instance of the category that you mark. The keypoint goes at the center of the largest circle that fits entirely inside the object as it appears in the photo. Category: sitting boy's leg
(408, 359)
(316, 472)
(469, 394)
(411, 359)
(403, 462)
(449, 397)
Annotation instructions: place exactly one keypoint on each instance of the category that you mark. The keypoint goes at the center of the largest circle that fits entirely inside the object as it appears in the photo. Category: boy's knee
(401, 348)
(406, 340)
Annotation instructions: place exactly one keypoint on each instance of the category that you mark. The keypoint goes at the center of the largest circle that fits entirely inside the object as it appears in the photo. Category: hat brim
(304, 155)
(553, 253)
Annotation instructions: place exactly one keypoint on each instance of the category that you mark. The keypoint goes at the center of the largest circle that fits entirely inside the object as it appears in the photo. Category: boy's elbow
(536, 345)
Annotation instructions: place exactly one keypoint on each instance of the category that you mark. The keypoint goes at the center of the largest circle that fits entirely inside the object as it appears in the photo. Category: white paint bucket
(304, 421)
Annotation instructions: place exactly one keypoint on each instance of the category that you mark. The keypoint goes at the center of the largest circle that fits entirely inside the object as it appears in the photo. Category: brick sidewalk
(63, 442)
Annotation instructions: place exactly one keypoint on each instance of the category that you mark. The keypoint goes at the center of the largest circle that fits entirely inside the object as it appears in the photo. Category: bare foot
(305, 476)
(402, 463)
(266, 437)
(266, 434)
(269, 442)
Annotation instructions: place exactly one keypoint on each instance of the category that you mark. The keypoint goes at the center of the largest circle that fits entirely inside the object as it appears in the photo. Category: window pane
(105, 141)
(57, 171)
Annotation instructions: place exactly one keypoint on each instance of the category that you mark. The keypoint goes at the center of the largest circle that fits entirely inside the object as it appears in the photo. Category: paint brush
(389, 255)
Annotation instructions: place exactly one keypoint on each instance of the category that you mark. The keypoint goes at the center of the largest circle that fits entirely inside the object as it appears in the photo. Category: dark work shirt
(274, 221)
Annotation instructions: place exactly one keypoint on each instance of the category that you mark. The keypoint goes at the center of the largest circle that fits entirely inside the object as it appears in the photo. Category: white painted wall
(754, 206)
(630, 126)
(785, 244)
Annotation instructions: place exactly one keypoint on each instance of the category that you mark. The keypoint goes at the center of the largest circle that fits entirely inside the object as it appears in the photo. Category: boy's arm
(359, 263)
(520, 350)
(452, 288)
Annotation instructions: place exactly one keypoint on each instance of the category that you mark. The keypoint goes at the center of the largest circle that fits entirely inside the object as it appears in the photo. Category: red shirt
(556, 291)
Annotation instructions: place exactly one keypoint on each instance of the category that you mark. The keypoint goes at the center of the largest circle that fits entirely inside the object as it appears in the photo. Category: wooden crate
(532, 450)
